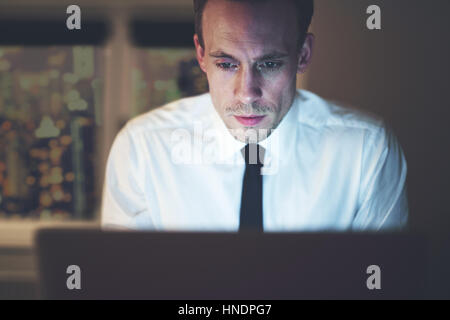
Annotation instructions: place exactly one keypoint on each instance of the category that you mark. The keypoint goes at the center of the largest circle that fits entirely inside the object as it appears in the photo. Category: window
(162, 75)
(62, 103)
(165, 67)
(50, 107)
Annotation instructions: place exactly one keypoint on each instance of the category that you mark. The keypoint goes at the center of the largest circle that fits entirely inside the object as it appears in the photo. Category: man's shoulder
(174, 115)
(319, 112)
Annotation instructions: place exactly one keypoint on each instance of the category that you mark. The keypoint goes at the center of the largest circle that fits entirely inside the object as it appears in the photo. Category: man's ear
(200, 53)
(305, 53)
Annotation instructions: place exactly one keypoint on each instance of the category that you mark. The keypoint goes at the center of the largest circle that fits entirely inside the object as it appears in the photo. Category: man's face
(251, 58)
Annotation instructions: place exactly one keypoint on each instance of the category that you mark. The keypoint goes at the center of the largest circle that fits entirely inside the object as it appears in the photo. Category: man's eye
(226, 65)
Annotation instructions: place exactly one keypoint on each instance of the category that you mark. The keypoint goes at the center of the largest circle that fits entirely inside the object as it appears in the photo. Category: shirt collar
(229, 147)
(280, 143)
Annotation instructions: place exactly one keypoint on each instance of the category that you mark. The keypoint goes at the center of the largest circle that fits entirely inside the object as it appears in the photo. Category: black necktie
(252, 191)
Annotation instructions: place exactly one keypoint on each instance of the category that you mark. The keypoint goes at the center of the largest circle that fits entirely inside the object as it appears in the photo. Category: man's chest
(301, 195)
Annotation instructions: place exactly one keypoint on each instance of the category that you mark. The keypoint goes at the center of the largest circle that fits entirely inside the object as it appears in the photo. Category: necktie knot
(253, 154)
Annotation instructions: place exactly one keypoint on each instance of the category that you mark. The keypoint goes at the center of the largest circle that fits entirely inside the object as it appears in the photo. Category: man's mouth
(250, 120)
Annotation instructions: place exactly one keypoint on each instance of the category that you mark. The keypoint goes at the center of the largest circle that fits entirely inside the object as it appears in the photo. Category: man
(255, 153)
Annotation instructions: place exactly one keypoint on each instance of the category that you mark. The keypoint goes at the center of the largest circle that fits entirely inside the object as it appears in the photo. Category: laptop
(95, 264)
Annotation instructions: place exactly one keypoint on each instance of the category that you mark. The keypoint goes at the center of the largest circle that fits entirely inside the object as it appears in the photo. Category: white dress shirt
(327, 168)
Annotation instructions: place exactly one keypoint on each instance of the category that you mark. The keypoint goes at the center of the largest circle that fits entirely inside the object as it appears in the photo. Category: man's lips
(249, 120)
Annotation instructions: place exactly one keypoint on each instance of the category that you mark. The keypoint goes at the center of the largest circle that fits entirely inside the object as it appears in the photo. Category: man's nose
(247, 88)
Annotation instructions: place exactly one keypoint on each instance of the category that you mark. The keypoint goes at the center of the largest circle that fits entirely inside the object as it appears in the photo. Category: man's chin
(252, 134)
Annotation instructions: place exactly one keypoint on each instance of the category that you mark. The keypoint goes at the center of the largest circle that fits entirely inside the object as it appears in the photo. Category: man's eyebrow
(273, 55)
(221, 54)
(268, 56)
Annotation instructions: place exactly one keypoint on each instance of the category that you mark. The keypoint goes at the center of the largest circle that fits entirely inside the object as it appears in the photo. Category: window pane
(50, 105)
(162, 75)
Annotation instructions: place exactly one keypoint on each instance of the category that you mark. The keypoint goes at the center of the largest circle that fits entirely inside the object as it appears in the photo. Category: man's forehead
(235, 24)
(261, 28)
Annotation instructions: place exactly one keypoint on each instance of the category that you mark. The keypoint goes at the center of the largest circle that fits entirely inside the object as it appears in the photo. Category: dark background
(400, 72)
